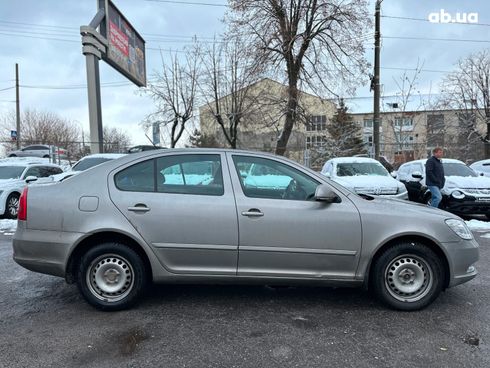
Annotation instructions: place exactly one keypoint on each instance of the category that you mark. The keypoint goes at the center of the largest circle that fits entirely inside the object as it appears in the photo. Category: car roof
(105, 155)
(338, 160)
(444, 160)
(481, 162)
(25, 161)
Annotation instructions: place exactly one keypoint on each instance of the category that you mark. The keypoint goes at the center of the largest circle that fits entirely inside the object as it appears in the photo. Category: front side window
(33, 171)
(264, 178)
(190, 174)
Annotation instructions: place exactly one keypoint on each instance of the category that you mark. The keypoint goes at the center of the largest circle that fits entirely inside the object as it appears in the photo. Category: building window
(403, 122)
(368, 123)
(316, 123)
(316, 141)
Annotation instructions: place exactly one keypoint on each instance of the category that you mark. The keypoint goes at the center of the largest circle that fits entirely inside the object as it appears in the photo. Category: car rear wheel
(111, 276)
(12, 206)
(407, 276)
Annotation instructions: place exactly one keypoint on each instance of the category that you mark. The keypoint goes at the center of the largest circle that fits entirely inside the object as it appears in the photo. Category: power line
(427, 20)
(414, 69)
(436, 39)
(6, 89)
(188, 3)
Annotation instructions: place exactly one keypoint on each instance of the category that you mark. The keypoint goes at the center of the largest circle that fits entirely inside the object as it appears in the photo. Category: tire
(407, 276)
(46, 156)
(12, 206)
(12, 155)
(99, 276)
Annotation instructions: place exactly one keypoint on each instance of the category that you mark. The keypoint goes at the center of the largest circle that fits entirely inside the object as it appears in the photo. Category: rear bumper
(43, 251)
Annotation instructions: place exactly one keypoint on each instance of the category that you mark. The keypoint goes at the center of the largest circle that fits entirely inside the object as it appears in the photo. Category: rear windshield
(90, 162)
(11, 172)
(361, 168)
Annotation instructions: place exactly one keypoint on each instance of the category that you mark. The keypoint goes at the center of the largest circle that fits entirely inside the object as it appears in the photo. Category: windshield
(361, 168)
(457, 169)
(11, 172)
(87, 163)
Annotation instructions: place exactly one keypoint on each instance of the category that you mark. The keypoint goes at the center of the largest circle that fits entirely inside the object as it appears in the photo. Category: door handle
(254, 212)
(139, 208)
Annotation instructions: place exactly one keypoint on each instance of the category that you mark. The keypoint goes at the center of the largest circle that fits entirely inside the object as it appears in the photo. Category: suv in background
(464, 193)
(38, 150)
(15, 174)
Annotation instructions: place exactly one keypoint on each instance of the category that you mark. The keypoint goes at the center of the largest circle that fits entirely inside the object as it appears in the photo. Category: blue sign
(13, 134)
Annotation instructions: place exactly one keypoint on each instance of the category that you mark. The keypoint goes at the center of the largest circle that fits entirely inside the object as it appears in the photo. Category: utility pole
(377, 49)
(17, 105)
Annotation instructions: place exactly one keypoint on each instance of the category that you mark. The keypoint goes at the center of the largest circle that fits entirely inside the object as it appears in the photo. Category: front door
(183, 206)
(283, 231)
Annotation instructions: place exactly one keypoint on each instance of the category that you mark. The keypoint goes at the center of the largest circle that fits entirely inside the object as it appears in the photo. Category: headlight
(460, 228)
(457, 194)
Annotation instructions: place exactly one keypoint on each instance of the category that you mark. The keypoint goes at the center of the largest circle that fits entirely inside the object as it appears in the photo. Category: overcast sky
(43, 37)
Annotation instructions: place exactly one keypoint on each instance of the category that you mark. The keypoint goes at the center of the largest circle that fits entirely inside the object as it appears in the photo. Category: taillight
(22, 212)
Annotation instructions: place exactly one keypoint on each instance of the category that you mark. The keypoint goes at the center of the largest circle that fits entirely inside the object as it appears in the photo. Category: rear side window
(137, 178)
(190, 174)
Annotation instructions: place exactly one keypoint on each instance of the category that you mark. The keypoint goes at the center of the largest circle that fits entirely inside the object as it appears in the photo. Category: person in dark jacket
(434, 176)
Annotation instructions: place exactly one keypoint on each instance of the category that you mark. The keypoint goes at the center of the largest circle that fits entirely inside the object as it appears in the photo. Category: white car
(86, 163)
(15, 174)
(364, 176)
(482, 167)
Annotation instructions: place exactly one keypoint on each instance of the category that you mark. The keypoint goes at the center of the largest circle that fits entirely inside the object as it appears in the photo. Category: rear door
(182, 205)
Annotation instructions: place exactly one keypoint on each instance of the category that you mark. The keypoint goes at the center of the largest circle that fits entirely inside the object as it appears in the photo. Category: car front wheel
(111, 276)
(407, 276)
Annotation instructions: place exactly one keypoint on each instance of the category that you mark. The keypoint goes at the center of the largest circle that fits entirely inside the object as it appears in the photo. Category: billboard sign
(126, 50)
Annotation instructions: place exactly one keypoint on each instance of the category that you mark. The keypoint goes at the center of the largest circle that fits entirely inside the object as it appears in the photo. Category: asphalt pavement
(45, 323)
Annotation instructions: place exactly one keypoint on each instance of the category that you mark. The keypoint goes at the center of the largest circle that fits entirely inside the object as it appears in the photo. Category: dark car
(464, 193)
(142, 148)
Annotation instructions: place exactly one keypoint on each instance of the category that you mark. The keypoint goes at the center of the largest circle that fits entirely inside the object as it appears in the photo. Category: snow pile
(8, 225)
(478, 225)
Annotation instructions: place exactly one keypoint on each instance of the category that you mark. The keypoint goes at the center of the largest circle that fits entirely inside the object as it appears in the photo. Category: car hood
(467, 182)
(409, 209)
(366, 181)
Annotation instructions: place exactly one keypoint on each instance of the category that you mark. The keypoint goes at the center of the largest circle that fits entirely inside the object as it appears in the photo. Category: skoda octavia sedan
(194, 215)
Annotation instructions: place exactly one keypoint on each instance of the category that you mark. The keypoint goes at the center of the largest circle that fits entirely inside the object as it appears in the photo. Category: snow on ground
(8, 226)
(477, 225)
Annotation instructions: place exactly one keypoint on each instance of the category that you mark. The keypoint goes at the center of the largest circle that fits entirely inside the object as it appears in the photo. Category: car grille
(376, 191)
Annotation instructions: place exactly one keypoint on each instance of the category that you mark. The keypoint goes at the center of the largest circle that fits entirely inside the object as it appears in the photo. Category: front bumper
(462, 257)
(466, 206)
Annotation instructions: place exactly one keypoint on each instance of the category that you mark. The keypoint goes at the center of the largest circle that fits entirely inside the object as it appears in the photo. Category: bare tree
(467, 89)
(226, 85)
(317, 41)
(42, 127)
(174, 94)
(116, 140)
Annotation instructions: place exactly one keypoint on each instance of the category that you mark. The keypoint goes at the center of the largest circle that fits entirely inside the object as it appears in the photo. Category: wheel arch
(98, 238)
(410, 238)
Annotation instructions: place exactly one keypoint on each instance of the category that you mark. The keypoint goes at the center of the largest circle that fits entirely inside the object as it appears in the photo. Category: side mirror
(417, 175)
(327, 174)
(30, 179)
(394, 174)
(323, 193)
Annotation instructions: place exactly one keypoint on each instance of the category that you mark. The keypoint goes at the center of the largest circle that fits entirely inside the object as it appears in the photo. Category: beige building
(263, 117)
(411, 135)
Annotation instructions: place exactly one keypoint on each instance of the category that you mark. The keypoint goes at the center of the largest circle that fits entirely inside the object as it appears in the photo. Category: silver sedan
(229, 216)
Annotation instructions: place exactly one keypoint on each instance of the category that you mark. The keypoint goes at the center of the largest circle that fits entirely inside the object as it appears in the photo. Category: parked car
(364, 176)
(38, 150)
(465, 192)
(87, 162)
(15, 175)
(481, 167)
(142, 148)
(113, 228)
